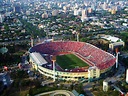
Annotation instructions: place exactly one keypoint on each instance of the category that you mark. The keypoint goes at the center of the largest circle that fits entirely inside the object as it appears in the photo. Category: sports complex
(70, 60)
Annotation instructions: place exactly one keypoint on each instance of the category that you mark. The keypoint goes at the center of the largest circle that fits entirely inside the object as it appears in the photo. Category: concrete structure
(57, 93)
(28, 12)
(54, 60)
(84, 15)
(97, 66)
(110, 38)
(113, 11)
(32, 42)
(7, 13)
(1, 18)
(76, 12)
(117, 59)
(90, 10)
(17, 8)
(45, 15)
(65, 8)
(93, 72)
(115, 42)
(38, 59)
(112, 46)
(105, 86)
(55, 12)
(104, 6)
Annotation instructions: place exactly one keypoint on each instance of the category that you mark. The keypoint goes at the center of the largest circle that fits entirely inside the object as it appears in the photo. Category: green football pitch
(70, 61)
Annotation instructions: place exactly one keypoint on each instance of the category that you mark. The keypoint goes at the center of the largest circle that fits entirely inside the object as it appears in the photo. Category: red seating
(91, 54)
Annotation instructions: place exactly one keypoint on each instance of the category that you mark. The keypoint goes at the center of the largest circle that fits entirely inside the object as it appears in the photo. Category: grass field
(70, 61)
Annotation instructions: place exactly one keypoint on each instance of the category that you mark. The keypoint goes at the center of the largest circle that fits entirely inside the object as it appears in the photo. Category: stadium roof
(111, 38)
(38, 58)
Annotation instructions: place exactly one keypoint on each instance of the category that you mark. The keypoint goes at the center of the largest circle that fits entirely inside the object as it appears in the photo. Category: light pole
(54, 60)
(117, 59)
(77, 36)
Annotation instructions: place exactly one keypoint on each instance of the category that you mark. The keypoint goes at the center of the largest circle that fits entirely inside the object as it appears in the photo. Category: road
(87, 87)
(17, 41)
(116, 77)
(56, 92)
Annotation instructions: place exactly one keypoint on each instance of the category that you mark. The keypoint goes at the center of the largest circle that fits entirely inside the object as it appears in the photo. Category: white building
(27, 12)
(45, 15)
(7, 13)
(111, 38)
(55, 12)
(105, 86)
(1, 18)
(84, 15)
(76, 12)
(114, 41)
(104, 6)
(93, 72)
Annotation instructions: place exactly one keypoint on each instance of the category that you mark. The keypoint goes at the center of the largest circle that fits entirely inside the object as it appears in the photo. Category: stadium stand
(89, 53)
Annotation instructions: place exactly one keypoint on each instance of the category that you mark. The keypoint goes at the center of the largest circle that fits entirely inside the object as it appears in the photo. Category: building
(45, 15)
(113, 46)
(27, 12)
(84, 15)
(7, 13)
(105, 86)
(110, 38)
(17, 8)
(105, 6)
(113, 11)
(65, 8)
(76, 12)
(93, 72)
(90, 10)
(55, 12)
(114, 41)
(1, 18)
(98, 60)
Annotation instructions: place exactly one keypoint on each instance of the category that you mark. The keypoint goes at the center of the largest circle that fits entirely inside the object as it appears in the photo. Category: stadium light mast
(54, 60)
(117, 59)
(77, 36)
(38, 39)
(117, 54)
(31, 42)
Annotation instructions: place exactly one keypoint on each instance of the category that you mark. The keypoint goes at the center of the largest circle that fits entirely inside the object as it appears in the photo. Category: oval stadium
(70, 60)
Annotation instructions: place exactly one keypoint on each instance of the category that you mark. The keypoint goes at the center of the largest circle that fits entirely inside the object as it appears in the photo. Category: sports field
(70, 61)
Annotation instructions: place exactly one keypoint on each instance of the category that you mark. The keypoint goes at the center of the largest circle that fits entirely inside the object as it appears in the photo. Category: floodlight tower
(38, 39)
(117, 54)
(32, 42)
(77, 36)
(54, 60)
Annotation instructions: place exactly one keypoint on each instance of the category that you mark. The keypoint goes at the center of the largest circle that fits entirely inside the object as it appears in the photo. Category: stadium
(70, 60)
